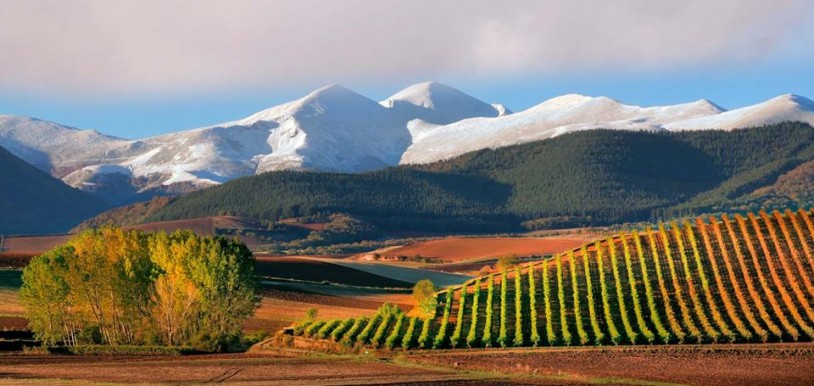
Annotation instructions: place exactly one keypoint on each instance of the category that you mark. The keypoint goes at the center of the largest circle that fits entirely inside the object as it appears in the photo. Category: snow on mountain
(501, 109)
(556, 116)
(439, 104)
(55, 148)
(784, 108)
(336, 129)
(330, 129)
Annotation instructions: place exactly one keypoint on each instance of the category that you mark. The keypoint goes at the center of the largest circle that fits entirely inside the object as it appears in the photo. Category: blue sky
(118, 68)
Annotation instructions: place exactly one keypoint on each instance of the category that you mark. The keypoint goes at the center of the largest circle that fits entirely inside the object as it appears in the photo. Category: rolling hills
(593, 177)
(31, 201)
(741, 279)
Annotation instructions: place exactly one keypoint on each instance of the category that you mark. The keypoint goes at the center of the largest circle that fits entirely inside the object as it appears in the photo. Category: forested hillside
(31, 201)
(587, 178)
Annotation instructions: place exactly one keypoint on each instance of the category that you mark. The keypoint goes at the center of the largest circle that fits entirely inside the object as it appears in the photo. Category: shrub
(459, 320)
(487, 326)
(519, 339)
(339, 332)
(407, 339)
(353, 331)
(424, 296)
(441, 336)
(503, 337)
(395, 334)
(506, 262)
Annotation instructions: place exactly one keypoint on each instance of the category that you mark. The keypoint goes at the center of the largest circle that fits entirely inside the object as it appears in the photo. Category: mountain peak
(331, 90)
(795, 99)
(706, 103)
(427, 94)
(566, 101)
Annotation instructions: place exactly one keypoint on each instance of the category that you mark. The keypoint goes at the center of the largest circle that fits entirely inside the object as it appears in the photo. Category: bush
(506, 262)
(441, 336)
(407, 340)
(487, 327)
(395, 334)
(424, 296)
(503, 337)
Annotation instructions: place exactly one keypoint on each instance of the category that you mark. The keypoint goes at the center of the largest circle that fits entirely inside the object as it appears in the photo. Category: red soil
(456, 249)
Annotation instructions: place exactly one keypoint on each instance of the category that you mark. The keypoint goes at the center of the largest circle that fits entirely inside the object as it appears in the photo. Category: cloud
(120, 47)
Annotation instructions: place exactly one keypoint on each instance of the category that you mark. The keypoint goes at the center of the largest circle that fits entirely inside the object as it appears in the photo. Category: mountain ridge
(335, 129)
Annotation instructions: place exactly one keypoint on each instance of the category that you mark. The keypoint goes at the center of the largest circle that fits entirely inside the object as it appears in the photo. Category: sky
(140, 68)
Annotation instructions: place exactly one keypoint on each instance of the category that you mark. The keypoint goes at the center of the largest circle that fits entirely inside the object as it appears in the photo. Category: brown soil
(33, 245)
(316, 270)
(234, 368)
(774, 364)
(457, 249)
(768, 364)
(14, 260)
(13, 323)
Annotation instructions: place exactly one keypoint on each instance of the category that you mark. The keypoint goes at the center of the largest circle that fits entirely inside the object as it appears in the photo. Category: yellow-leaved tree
(117, 287)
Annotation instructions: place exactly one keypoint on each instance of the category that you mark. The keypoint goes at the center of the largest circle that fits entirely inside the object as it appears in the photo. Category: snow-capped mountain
(330, 129)
(439, 104)
(56, 148)
(784, 108)
(553, 117)
(428, 105)
(336, 129)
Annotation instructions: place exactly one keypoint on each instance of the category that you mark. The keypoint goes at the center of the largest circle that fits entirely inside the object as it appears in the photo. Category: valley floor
(769, 364)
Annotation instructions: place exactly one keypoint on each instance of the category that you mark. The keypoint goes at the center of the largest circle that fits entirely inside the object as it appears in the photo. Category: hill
(594, 177)
(334, 129)
(329, 129)
(31, 201)
(747, 279)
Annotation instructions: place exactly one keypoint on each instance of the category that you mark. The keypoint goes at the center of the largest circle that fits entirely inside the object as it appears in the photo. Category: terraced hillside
(729, 279)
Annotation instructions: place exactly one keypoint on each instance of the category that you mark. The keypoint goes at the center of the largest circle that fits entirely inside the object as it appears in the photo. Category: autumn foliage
(117, 287)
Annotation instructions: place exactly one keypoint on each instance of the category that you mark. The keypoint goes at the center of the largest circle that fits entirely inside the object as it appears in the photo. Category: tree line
(115, 287)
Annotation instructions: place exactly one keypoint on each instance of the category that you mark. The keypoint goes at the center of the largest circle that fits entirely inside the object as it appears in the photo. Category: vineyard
(728, 279)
